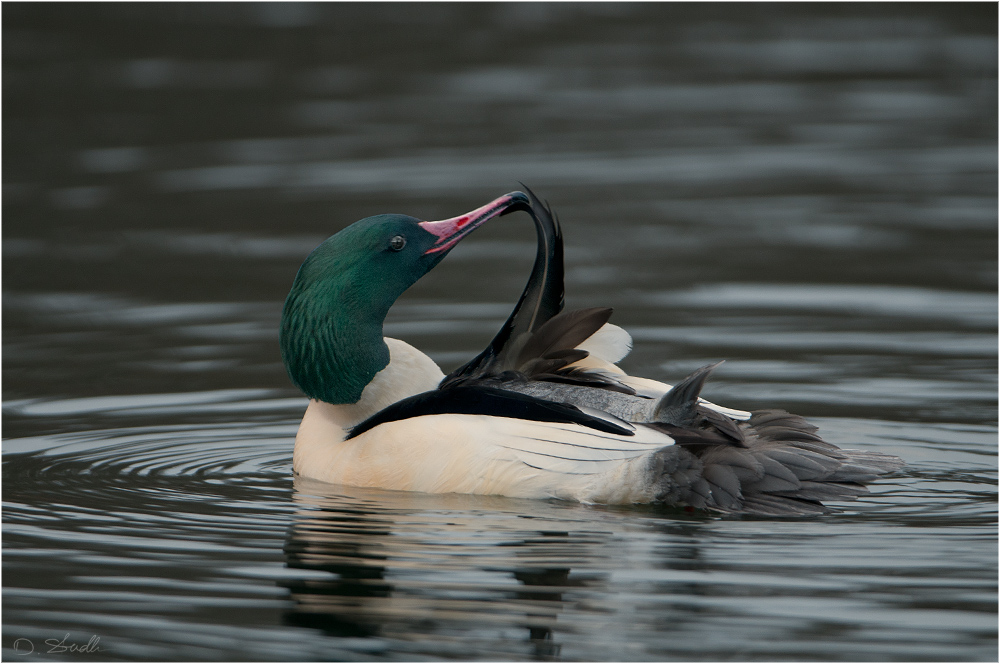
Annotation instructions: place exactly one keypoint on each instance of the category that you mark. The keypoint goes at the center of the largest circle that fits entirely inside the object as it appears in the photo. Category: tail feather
(805, 465)
(725, 487)
(785, 469)
(761, 419)
(741, 462)
(852, 472)
(679, 406)
(788, 433)
(680, 415)
(701, 494)
(829, 491)
(777, 477)
(763, 504)
(883, 463)
(820, 447)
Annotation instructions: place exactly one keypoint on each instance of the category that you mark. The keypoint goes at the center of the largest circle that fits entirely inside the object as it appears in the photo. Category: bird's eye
(397, 243)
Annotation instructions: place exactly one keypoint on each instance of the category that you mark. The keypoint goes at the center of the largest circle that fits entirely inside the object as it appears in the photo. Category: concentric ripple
(181, 534)
(215, 441)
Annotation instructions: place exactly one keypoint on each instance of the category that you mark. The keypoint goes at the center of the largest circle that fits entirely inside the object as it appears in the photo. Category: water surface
(807, 192)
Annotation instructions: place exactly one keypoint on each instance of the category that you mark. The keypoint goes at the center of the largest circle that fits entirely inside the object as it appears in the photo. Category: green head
(331, 326)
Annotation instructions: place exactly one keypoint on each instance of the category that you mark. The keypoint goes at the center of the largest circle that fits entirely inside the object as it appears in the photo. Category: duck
(543, 412)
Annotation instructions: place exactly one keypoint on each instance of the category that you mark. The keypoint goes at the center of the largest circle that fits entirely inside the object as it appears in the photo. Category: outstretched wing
(540, 341)
(541, 300)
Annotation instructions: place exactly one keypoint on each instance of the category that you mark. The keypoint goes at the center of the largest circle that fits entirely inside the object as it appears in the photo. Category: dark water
(807, 191)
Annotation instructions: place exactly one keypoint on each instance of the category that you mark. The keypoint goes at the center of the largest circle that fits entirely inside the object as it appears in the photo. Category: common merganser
(542, 412)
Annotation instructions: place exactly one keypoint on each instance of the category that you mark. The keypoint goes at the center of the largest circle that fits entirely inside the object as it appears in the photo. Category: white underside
(478, 453)
(487, 455)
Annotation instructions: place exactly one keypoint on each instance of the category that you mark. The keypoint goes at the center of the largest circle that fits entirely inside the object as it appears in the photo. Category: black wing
(539, 341)
(541, 300)
(484, 400)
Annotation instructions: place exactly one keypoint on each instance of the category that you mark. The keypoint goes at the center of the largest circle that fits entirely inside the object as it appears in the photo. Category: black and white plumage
(544, 411)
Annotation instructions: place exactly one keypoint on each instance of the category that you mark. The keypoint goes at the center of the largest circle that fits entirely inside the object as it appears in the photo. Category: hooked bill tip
(518, 200)
(450, 231)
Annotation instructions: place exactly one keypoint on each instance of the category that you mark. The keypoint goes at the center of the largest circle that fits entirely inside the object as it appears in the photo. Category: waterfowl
(542, 412)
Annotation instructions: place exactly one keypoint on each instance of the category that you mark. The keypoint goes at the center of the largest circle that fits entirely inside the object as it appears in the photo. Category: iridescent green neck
(331, 329)
(327, 356)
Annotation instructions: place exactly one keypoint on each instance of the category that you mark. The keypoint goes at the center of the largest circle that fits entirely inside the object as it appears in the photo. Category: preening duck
(542, 412)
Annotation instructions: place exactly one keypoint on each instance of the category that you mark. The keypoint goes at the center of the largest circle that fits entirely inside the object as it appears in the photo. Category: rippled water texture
(809, 192)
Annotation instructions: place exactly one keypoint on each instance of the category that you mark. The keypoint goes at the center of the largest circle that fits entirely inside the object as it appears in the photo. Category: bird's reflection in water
(343, 542)
(467, 573)
(545, 591)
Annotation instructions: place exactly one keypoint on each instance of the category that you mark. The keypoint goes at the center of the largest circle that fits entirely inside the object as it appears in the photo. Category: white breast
(409, 372)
